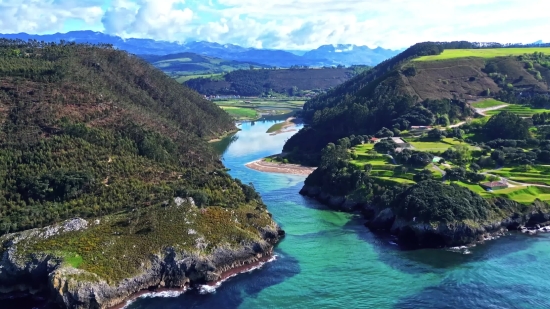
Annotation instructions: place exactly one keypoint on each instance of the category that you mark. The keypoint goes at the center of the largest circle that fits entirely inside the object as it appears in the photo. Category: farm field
(240, 113)
(488, 103)
(483, 53)
(184, 78)
(520, 110)
(256, 108)
(434, 146)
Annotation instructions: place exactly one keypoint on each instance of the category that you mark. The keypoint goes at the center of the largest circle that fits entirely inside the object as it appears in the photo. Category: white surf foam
(163, 294)
(209, 289)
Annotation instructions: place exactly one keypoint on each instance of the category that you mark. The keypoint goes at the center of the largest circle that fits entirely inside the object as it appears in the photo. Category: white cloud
(37, 16)
(147, 18)
(291, 24)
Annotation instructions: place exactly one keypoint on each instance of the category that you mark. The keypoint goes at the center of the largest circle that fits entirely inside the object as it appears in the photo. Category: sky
(288, 24)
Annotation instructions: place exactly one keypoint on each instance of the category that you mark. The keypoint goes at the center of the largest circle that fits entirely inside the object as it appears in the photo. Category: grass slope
(488, 103)
(482, 53)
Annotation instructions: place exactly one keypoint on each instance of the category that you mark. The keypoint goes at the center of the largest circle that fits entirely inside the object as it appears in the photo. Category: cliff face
(71, 287)
(413, 234)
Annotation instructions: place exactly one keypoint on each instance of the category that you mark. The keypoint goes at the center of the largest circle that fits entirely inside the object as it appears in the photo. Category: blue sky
(288, 24)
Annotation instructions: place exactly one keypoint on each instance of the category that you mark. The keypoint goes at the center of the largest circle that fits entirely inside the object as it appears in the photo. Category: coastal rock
(310, 191)
(383, 220)
(336, 201)
(76, 288)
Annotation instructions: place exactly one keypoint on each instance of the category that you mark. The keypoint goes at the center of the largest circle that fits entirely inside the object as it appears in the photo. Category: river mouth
(329, 259)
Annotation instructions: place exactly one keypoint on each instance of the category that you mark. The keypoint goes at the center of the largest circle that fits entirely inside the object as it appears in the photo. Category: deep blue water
(330, 260)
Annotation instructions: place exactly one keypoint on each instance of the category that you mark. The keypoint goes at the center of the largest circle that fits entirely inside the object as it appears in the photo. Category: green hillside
(89, 131)
(288, 82)
(486, 53)
(401, 92)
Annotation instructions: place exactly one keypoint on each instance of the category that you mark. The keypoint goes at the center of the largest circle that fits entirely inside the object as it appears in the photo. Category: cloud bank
(288, 24)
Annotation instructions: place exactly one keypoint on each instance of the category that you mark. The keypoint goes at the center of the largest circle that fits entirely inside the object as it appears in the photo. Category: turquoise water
(330, 260)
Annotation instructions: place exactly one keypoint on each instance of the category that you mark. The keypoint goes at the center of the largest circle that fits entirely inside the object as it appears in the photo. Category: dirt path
(269, 167)
(482, 111)
(512, 183)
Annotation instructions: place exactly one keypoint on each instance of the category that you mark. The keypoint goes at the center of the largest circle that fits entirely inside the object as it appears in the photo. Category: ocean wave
(209, 289)
(162, 294)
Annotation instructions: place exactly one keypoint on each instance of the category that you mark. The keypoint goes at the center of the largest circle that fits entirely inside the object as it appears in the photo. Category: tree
(461, 154)
(456, 173)
(506, 125)
(474, 167)
(423, 175)
(384, 132)
(435, 134)
(385, 146)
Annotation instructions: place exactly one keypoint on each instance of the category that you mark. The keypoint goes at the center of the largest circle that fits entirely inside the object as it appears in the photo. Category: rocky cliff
(414, 234)
(71, 287)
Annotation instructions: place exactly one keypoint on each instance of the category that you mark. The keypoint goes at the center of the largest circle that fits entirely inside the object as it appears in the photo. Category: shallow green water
(330, 260)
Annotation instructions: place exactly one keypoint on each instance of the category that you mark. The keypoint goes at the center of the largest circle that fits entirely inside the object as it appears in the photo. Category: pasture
(488, 103)
(520, 110)
(240, 113)
(483, 53)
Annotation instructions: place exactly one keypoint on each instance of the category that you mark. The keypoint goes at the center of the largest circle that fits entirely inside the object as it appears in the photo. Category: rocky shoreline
(69, 287)
(414, 235)
(178, 291)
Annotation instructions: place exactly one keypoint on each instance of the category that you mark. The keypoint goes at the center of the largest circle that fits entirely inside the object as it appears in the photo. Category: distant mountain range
(326, 55)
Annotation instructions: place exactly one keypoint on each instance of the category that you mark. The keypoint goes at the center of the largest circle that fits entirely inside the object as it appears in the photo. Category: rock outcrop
(414, 234)
(74, 288)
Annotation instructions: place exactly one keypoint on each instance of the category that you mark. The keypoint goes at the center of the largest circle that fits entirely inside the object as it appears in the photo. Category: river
(330, 260)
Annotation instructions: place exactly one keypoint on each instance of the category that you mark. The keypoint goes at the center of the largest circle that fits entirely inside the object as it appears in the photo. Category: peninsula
(108, 183)
(443, 145)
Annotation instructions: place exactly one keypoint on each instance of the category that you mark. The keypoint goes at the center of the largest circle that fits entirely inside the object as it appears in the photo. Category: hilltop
(291, 82)
(108, 185)
(184, 66)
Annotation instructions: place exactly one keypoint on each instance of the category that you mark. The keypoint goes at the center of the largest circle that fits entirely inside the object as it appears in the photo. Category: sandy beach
(269, 167)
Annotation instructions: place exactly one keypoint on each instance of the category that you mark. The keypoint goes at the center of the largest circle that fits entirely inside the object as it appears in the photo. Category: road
(513, 183)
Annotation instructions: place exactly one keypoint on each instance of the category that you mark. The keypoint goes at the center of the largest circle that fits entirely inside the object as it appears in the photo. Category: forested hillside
(281, 81)
(89, 130)
(400, 93)
(182, 65)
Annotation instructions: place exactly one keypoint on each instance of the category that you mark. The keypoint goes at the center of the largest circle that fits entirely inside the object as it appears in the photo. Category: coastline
(280, 168)
(176, 292)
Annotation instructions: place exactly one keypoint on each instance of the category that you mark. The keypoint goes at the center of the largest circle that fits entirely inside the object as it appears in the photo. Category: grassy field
(520, 110)
(488, 103)
(251, 111)
(185, 78)
(483, 53)
(434, 146)
(239, 112)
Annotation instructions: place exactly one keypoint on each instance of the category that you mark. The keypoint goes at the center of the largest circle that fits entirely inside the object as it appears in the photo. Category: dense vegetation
(89, 130)
(292, 82)
(433, 201)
